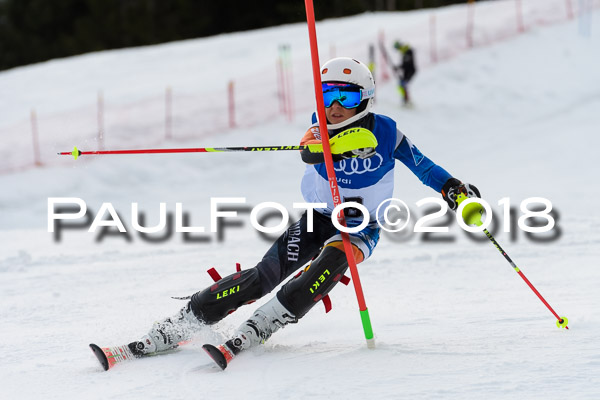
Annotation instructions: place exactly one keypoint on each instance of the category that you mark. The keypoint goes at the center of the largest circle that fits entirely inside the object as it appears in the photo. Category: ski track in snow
(452, 320)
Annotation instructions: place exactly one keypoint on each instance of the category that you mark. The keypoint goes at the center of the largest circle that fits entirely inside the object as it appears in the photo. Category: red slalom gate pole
(231, 104)
(470, 16)
(519, 14)
(384, 62)
(281, 89)
(432, 41)
(289, 86)
(100, 117)
(569, 9)
(314, 51)
(35, 139)
(168, 113)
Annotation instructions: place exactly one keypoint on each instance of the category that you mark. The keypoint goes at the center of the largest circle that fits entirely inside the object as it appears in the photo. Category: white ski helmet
(349, 70)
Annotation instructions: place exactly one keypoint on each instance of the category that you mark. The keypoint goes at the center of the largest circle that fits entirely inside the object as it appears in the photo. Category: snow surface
(519, 118)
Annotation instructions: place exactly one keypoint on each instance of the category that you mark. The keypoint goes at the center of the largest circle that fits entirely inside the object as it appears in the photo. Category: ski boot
(267, 320)
(164, 335)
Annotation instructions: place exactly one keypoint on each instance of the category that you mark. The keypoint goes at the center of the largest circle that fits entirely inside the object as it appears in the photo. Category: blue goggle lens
(349, 96)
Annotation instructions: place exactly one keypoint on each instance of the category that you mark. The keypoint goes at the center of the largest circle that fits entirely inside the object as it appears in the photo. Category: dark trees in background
(39, 30)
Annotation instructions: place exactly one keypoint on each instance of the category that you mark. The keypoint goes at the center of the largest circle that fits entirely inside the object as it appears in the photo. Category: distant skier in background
(365, 175)
(405, 70)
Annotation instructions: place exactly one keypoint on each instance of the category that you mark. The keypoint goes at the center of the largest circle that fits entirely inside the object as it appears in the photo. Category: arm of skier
(312, 136)
(432, 174)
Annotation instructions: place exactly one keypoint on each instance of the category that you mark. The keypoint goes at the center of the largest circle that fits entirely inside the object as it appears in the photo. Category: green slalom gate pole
(364, 312)
(471, 214)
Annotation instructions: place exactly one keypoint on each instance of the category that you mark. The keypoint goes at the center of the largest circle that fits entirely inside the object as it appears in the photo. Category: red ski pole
(471, 213)
(352, 138)
(561, 321)
(76, 152)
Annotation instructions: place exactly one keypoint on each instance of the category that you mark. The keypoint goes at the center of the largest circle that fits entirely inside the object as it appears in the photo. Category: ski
(110, 356)
(221, 355)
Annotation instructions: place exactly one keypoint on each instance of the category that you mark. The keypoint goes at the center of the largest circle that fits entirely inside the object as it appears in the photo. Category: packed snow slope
(452, 319)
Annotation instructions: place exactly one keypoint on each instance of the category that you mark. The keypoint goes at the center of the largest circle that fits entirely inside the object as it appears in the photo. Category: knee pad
(301, 293)
(213, 303)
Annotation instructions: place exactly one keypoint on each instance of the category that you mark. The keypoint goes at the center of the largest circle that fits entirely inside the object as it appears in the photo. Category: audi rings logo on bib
(359, 166)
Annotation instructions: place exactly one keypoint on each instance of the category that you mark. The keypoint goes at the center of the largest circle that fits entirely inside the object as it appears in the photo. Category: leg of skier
(406, 98)
(406, 78)
(402, 90)
(292, 250)
(298, 295)
(204, 308)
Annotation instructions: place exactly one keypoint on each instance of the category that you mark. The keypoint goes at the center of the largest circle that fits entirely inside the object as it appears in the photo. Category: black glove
(453, 187)
(363, 153)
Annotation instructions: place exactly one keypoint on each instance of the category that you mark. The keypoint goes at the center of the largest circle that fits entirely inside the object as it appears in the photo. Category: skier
(365, 175)
(405, 70)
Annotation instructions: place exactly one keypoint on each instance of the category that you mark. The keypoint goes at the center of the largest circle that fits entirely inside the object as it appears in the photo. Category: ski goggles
(348, 95)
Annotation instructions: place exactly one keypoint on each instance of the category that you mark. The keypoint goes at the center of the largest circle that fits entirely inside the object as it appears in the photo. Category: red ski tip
(101, 356)
(109, 356)
(220, 355)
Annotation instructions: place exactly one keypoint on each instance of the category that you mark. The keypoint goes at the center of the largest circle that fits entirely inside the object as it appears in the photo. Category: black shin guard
(213, 303)
(301, 293)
